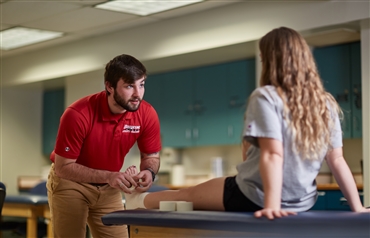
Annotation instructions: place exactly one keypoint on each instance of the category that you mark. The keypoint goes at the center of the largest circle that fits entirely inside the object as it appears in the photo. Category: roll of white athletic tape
(167, 206)
(184, 206)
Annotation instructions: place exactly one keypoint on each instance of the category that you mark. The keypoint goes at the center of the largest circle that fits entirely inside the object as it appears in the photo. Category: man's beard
(126, 104)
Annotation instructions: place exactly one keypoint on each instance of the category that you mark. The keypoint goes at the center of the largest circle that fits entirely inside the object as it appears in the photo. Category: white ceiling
(78, 19)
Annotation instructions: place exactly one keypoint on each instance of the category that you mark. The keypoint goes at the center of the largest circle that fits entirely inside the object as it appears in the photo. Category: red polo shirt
(98, 139)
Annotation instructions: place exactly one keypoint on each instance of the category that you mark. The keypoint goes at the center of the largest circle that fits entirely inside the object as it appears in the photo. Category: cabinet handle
(189, 110)
(195, 133)
(358, 99)
(343, 201)
(321, 194)
(230, 131)
(235, 102)
(198, 106)
(188, 134)
(343, 97)
(356, 124)
(345, 122)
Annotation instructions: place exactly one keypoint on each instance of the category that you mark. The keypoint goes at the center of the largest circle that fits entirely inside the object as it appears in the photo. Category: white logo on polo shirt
(131, 129)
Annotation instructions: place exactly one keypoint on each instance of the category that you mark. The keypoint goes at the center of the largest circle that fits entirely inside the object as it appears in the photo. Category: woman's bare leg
(205, 196)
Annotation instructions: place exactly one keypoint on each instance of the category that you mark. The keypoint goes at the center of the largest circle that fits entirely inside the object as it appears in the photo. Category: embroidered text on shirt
(132, 129)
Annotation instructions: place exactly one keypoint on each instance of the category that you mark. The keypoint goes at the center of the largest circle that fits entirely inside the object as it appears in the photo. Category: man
(94, 136)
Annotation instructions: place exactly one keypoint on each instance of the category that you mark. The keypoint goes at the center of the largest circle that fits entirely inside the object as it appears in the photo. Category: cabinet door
(177, 109)
(153, 89)
(336, 201)
(53, 108)
(333, 200)
(211, 104)
(356, 103)
(333, 65)
(222, 91)
(320, 202)
(241, 84)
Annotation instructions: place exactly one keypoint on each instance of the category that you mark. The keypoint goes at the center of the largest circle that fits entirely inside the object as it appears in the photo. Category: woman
(291, 126)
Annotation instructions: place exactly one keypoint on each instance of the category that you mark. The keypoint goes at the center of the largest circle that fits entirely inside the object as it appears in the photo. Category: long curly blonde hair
(288, 64)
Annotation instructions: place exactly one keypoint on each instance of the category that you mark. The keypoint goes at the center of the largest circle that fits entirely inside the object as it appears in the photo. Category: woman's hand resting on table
(363, 209)
(273, 213)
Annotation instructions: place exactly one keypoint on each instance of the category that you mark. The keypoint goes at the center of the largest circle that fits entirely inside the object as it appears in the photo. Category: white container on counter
(178, 175)
(217, 167)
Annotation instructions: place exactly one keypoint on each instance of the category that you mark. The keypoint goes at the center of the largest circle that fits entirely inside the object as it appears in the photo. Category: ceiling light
(19, 36)
(144, 8)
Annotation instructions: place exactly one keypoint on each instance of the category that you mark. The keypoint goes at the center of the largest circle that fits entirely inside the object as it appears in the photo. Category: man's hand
(123, 181)
(145, 180)
(271, 213)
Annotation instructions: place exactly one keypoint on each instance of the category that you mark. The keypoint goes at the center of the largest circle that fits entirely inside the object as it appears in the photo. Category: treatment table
(30, 207)
(155, 223)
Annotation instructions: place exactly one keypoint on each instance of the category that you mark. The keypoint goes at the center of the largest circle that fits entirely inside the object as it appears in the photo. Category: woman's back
(265, 118)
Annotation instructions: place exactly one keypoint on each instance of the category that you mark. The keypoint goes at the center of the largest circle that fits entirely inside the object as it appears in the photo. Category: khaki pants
(73, 205)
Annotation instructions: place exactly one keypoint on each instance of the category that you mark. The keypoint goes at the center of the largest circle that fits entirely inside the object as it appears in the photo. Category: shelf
(334, 186)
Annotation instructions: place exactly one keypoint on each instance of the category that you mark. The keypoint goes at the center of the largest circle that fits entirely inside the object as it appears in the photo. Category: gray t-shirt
(264, 118)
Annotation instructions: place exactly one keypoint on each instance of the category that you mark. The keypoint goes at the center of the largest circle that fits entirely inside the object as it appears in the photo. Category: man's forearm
(151, 161)
(82, 174)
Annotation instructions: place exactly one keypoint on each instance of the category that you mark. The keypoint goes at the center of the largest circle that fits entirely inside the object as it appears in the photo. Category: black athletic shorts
(234, 199)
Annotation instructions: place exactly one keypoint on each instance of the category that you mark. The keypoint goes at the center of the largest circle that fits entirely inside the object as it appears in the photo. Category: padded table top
(318, 223)
(27, 199)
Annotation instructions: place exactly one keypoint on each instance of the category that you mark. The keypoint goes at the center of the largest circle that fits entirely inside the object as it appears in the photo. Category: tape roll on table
(167, 206)
(184, 206)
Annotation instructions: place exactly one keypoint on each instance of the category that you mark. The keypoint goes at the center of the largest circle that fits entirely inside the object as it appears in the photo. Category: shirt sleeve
(71, 134)
(262, 119)
(336, 133)
(150, 140)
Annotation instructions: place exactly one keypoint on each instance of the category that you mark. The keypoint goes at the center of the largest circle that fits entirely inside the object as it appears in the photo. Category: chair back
(2, 196)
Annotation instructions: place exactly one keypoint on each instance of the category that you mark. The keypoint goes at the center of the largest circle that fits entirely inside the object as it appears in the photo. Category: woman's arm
(271, 169)
(344, 178)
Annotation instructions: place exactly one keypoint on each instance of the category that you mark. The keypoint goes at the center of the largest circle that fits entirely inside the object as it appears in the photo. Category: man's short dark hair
(125, 67)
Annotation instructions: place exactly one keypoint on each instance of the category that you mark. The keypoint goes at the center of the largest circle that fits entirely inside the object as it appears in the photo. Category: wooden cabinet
(204, 105)
(53, 108)
(340, 69)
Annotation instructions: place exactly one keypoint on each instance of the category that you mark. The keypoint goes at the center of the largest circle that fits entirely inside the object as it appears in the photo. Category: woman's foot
(135, 200)
(132, 170)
